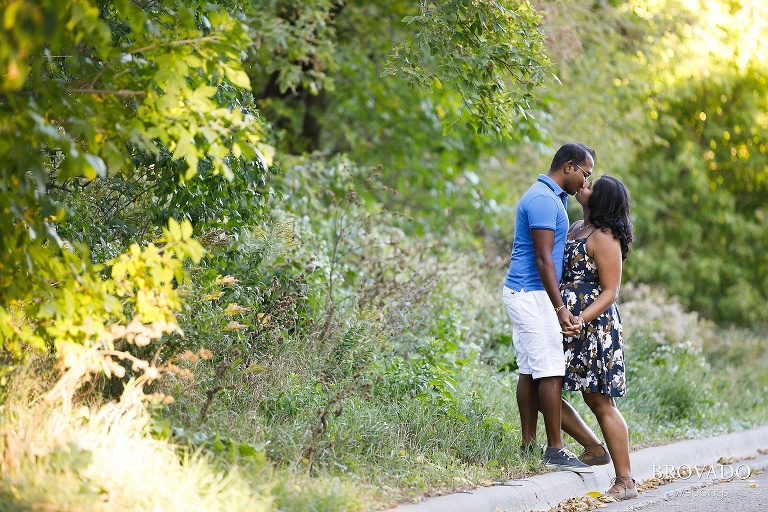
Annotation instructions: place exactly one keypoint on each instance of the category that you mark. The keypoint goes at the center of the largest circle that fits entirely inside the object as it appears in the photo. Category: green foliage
(107, 215)
(321, 494)
(679, 391)
(671, 95)
(707, 171)
(71, 306)
(129, 88)
(223, 449)
(122, 103)
(670, 383)
(327, 92)
(325, 349)
(478, 48)
(372, 352)
(297, 43)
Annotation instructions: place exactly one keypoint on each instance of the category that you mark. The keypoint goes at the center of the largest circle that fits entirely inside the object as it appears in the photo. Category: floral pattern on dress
(595, 359)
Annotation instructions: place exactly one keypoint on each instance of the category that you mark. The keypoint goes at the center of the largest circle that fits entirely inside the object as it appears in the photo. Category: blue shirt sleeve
(542, 213)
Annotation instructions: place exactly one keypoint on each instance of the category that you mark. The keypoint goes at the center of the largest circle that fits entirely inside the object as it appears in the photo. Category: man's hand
(570, 325)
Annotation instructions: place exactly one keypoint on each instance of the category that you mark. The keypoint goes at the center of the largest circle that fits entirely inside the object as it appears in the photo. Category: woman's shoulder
(602, 239)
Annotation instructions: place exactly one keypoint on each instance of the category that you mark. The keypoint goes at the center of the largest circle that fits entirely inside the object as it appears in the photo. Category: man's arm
(543, 243)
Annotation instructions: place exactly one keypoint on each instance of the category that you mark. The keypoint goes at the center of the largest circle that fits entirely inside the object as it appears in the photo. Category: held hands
(570, 325)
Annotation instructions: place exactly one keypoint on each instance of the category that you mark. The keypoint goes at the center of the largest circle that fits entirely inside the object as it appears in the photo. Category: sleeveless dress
(595, 359)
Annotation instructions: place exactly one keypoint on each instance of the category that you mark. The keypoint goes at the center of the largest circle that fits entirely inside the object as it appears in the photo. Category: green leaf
(96, 167)
(238, 77)
(9, 15)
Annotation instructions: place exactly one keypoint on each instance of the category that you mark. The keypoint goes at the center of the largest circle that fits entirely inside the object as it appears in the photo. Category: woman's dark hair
(609, 209)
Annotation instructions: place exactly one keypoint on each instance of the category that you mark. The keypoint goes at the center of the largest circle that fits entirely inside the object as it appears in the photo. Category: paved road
(750, 495)
(747, 493)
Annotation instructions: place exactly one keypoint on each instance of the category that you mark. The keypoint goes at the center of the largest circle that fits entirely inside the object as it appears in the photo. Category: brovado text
(725, 472)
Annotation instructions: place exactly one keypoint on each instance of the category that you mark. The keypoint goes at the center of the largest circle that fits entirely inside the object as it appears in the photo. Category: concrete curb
(543, 492)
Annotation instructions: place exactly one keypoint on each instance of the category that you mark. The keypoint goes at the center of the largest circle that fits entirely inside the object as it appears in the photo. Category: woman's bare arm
(606, 252)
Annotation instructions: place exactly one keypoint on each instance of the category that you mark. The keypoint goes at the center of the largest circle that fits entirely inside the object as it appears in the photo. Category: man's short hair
(572, 152)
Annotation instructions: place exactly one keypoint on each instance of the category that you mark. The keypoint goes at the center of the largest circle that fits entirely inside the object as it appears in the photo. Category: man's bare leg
(528, 405)
(573, 425)
(550, 402)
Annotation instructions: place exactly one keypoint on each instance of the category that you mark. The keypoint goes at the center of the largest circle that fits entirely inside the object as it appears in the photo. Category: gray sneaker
(562, 459)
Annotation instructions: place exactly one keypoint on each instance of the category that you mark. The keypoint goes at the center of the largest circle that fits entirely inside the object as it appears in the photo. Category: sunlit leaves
(111, 95)
(104, 84)
(672, 95)
(68, 303)
(698, 205)
(33, 31)
(492, 53)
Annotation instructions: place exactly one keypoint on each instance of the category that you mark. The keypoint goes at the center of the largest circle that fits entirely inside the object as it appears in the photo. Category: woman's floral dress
(595, 359)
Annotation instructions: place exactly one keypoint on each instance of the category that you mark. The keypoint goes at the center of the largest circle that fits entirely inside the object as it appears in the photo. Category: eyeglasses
(586, 174)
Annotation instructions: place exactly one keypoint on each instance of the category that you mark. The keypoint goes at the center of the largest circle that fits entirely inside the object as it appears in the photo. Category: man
(532, 297)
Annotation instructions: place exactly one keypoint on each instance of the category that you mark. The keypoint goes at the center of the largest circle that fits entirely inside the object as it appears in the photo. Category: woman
(594, 350)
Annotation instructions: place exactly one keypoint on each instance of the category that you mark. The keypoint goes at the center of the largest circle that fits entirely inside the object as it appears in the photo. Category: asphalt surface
(544, 492)
(749, 495)
(745, 491)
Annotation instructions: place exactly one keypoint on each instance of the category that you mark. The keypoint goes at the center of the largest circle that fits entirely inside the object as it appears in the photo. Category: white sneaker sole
(575, 469)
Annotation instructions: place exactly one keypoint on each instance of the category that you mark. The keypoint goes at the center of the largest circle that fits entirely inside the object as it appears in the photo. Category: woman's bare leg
(614, 431)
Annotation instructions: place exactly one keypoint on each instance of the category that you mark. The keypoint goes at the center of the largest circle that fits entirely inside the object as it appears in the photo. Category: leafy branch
(477, 47)
(191, 41)
(123, 93)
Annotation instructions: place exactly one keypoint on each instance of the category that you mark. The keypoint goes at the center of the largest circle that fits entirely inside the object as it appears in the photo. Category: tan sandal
(595, 460)
(619, 490)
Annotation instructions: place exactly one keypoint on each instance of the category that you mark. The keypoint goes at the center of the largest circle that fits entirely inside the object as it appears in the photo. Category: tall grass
(684, 372)
(100, 457)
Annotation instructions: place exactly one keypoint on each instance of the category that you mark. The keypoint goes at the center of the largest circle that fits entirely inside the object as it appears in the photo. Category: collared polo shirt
(543, 206)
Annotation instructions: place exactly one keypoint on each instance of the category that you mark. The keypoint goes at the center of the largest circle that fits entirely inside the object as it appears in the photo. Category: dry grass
(99, 457)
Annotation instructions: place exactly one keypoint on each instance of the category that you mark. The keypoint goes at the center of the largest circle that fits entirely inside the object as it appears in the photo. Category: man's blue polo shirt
(543, 206)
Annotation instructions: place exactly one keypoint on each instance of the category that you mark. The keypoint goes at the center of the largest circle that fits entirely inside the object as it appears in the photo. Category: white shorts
(536, 333)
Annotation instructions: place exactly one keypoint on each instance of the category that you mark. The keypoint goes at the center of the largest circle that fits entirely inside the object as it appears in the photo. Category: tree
(111, 110)
(700, 195)
(428, 89)
(92, 91)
